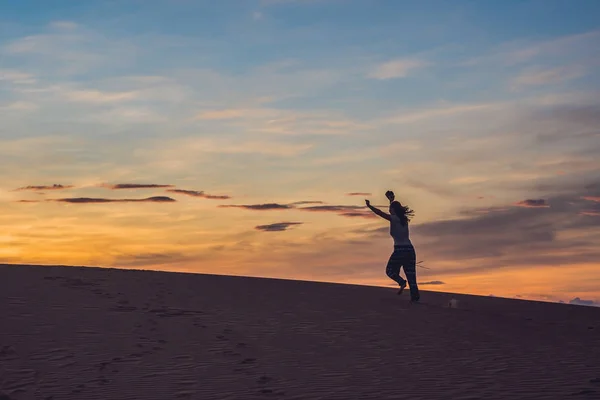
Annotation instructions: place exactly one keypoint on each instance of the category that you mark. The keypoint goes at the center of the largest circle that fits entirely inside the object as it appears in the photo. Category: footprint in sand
(8, 353)
(263, 380)
(270, 392)
(231, 353)
(584, 392)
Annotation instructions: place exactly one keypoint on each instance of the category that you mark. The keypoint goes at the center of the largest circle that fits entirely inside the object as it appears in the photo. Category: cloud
(83, 200)
(569, 47)
(17, 77)
(592, 198)
(285, 122)
(399, 68)
(28, 201)
(581, 302)
(258, 207)
(433, 113)
(432, 283)
(44, 187)
(67, 48)
(365, 214)
(543, 76)
(341, 210)
(234, 113)
(303, 202)
(64, 25)
(276, 227)
(590, 213)
(514, 236)
(533, 203)
(359, 194)
(97, 96)
(332, 208)
(119, 186)
(223, 145)
(196, 193)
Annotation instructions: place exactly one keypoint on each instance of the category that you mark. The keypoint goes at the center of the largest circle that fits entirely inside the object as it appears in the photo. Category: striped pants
(404, 256)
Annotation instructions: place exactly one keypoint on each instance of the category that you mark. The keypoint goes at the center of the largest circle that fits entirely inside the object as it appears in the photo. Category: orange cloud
(134, 186)
(44, 187)
(83, 200)
(359, 194)
(199, 193)
(276, 227)
(533, 203)
(258, 207)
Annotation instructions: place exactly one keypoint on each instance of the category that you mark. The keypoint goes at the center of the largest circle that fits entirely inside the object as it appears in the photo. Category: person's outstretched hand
(367, 202)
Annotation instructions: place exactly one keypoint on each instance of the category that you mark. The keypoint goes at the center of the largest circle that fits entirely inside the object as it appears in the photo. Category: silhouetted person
(404, 253)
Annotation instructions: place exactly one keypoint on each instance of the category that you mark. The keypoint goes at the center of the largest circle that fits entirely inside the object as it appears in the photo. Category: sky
(242, 138)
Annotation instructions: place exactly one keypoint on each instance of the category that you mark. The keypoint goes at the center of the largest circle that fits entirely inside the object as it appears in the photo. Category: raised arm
(377, 211)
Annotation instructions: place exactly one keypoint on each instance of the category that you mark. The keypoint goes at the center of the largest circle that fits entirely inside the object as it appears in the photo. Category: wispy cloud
(97, 96)
(196, 193)
(258, 207)
(341, 210)
(221, 145)
(359, 194)
(545, 76)
(119, 186)
(85, 200)
(16, 77)
(277, 227)
(519, 52)
(433, 113)
(64, 25)
(399, 68)
(591, 213)
(45, 187)
(533, 203)
(432, 283)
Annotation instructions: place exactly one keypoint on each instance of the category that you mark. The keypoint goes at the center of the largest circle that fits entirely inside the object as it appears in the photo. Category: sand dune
(91, 333)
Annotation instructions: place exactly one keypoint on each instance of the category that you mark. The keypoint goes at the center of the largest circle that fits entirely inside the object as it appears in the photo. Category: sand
(93, 333)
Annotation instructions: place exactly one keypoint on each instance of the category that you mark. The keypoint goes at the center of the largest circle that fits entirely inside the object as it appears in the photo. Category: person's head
(390, 195)
(403, 212)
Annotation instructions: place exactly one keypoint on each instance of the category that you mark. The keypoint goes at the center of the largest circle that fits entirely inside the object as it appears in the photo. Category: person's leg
(410, 269)
(392, 269)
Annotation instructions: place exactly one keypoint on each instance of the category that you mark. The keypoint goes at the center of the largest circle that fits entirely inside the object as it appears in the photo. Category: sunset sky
(242, 136)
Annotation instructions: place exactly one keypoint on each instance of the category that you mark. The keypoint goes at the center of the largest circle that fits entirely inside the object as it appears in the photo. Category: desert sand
(95, 333)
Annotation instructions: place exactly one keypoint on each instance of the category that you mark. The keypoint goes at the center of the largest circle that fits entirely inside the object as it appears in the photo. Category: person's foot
(415, 299)
(402, 287)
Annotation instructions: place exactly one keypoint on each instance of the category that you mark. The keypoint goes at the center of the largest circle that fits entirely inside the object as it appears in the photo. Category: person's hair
(403, 212)
(389, 194)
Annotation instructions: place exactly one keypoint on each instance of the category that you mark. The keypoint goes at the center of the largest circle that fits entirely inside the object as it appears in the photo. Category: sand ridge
(93, 333)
